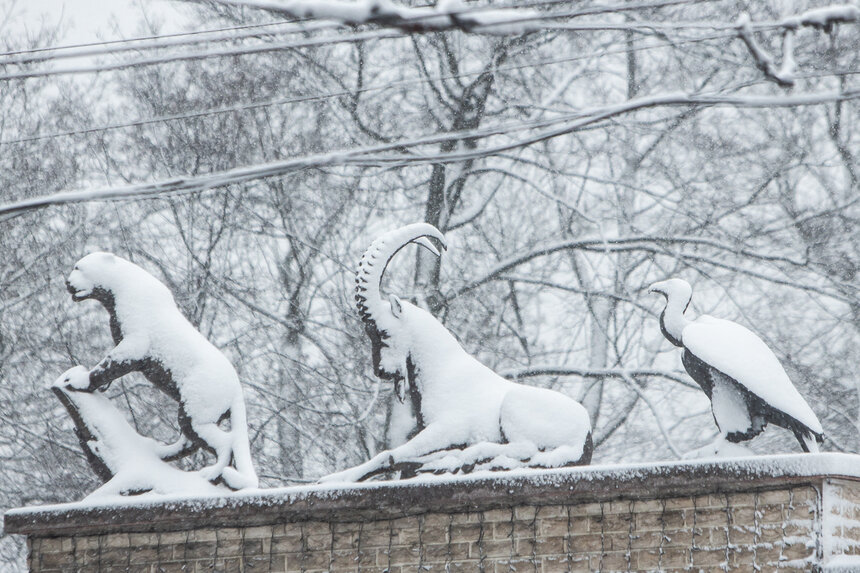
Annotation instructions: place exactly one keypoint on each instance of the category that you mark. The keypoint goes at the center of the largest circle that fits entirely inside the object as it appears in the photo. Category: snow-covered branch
(823, 18)
(819, 18)
(614, 244)
(534, 371)
(445, 15)
(763, 60)
(378, 155)
(448, 15)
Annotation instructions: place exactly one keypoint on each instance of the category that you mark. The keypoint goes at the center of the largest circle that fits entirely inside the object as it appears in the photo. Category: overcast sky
(93, 20)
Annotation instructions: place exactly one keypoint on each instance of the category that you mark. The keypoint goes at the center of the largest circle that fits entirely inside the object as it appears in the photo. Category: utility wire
(142, 38)
(378, 87)
(366, 89)
(262, 48)
(379, 155)
(256, 49)
(154, 39)
(353, 38)
(162, 42)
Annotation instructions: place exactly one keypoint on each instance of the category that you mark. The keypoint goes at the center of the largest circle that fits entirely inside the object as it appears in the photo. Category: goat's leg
(430, 439)
(463, 459)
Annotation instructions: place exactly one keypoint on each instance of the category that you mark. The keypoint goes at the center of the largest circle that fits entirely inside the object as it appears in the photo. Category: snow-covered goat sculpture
(153, 337)
(467, 416)
(745, 382)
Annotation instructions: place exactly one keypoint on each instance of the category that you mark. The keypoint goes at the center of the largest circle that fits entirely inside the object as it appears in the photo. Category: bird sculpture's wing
(737, 352)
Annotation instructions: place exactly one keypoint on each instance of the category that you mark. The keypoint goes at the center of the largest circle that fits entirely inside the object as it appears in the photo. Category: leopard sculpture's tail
(243, 476)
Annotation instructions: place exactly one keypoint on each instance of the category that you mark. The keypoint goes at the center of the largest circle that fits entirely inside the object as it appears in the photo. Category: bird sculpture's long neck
(673, 321)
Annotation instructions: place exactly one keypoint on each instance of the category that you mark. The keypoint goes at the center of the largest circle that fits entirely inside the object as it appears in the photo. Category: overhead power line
(381, 154)
(366, 89)
(245, 50)
(644, 27)
(156, 43)
(217, 34)
(141, 38)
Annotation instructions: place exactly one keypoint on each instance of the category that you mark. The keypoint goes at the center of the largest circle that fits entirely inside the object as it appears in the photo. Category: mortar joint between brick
(481, 553)
(693, 536)
(391, 536)
(569, 542)
(628, 553)
(303, 540)
(662, 534)
(511, 567)
(448, 552)
(421, 542)
(602, 536)
(535, 537)
(728, 529)
(331, 526)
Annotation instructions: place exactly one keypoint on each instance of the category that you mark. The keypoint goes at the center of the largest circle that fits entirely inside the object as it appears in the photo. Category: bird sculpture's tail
(587, 450)
(809, 440)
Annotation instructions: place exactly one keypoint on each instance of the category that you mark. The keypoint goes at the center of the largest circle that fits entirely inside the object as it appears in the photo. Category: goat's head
(384, 318)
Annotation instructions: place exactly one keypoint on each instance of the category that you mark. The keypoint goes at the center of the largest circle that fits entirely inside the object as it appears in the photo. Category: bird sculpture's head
(678, 294)
(674, 289)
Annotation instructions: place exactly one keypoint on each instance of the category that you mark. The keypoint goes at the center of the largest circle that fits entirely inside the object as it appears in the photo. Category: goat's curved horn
(374, 261)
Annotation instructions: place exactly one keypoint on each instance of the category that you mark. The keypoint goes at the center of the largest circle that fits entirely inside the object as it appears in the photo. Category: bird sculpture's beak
(655, 289)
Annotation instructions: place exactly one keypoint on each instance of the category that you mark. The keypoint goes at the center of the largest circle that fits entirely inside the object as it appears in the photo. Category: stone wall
(795, 513)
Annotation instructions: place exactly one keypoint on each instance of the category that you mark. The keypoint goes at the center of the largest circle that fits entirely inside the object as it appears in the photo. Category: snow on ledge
(380, 500)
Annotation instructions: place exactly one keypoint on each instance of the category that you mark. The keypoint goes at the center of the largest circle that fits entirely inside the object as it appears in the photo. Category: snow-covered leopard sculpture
(153, 337)
(466, 414)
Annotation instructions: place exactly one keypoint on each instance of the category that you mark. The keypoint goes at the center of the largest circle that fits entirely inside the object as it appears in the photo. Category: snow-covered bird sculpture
(466, 415)
(745, 382)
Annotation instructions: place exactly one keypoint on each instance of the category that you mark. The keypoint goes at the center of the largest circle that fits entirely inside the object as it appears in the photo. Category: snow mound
(721, 448)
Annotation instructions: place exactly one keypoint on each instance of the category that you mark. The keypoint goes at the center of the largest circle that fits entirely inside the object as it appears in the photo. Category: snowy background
(559, 214)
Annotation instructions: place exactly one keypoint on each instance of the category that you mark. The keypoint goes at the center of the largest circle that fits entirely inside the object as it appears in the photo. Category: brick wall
(670, 517)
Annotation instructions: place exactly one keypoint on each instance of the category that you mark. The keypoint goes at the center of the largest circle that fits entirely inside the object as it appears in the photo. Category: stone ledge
(381, 500)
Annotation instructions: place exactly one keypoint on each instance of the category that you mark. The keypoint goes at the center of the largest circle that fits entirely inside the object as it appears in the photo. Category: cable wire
(163, 42)
(366, 89)
(141, 38)
(347, 38)
(378, 155)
